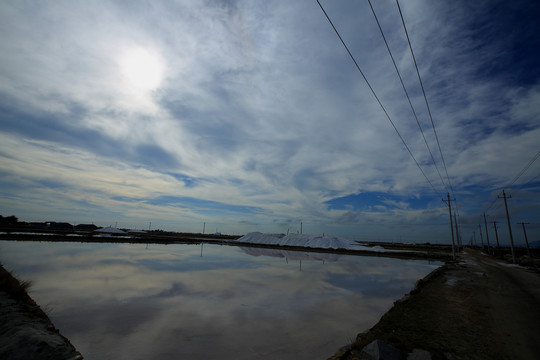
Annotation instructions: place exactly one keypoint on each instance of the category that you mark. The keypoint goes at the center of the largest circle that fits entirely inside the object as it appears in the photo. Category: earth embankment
(26, 333)
(476, 308)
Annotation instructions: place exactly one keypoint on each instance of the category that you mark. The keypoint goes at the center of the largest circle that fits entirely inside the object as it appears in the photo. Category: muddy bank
(476, 308)
(25, 330)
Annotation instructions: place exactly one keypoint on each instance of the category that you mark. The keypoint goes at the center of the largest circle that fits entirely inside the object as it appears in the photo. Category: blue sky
(250, 116)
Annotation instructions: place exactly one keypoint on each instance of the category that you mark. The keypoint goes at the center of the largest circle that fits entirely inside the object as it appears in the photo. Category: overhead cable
(407, 95)
(376, 97)
(425, 97)
(525, 168)
(519, 174)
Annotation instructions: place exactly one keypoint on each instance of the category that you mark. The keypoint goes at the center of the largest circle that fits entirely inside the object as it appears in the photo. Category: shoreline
(478, 307)
(26, 331)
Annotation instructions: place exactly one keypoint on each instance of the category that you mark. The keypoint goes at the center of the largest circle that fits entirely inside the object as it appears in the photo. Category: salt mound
(311, 241)
(110, 230)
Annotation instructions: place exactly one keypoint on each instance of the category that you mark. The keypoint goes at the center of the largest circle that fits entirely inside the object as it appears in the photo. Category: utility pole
(481, 237)
(525, 234)
(457, 232)
(451, 225)
(203, 228)
(300, 227)
(509, 227)
(496, 234)
(487, 235)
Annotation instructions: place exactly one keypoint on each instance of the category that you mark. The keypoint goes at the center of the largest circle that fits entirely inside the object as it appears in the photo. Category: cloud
(259, 105)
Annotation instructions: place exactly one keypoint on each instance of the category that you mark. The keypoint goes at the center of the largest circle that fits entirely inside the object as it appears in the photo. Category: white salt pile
(310, 241)
(110, 230)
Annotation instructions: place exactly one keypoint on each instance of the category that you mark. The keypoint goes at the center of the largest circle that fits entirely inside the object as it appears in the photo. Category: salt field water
(137, 301)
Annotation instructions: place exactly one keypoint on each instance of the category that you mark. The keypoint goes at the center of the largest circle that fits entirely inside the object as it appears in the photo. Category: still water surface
(126, 301)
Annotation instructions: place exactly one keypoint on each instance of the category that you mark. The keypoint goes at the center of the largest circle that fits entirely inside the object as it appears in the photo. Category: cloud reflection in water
(128, 301)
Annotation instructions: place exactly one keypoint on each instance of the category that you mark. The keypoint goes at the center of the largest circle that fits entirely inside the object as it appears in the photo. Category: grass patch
(17, 289)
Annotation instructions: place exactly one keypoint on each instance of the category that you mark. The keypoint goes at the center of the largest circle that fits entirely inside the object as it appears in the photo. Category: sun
(142, 68)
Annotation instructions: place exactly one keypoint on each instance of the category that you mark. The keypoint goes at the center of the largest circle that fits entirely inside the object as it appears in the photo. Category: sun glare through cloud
(142, 68)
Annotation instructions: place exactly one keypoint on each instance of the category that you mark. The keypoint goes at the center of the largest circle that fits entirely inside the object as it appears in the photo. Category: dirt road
(477, 308)
(513, 301)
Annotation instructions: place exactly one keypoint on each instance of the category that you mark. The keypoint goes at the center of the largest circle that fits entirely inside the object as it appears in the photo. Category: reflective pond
(137, 301)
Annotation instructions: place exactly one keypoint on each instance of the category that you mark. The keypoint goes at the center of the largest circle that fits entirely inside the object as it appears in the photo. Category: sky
(240, 116)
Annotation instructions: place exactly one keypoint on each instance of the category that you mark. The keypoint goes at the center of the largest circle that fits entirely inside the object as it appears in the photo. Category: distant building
(85, 227)
(36, 225)
(62, 226)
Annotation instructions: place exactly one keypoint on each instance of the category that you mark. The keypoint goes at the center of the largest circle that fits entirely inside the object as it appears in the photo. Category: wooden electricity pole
(481, 237)
(458, 238)
(509, 227)
(451, 225)
(496, 234)
(525, 234)
(487, 235)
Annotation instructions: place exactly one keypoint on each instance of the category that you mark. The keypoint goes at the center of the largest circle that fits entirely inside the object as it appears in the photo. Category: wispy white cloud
(258, 106)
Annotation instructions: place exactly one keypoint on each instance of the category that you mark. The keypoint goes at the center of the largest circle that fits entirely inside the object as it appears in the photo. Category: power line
(490, 205)
(376, 97)
(524, 169)
(427, 106)
(425, 97)
(519, 174)
(530, 181)
(406, 93)
(520, 188)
